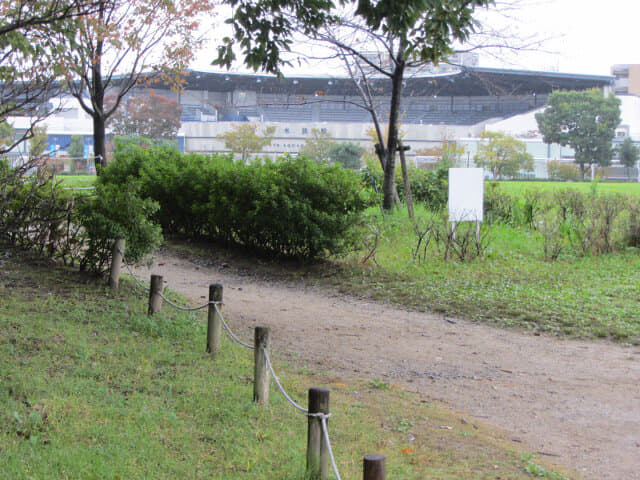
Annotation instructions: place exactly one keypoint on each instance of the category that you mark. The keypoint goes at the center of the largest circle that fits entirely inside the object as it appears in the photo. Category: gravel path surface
(575, 401)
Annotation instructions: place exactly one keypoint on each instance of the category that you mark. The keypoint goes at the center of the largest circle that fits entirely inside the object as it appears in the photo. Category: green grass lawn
(627, 188)
(76, 181)
(93, 388)
(512, 285)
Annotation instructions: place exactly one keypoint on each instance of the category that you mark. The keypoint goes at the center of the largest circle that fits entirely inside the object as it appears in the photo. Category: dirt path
(577, 401)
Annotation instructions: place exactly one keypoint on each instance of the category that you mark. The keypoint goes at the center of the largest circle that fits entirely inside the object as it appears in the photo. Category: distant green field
(630, 188)
(76, 181)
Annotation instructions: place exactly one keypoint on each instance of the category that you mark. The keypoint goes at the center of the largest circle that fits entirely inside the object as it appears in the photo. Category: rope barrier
(280, 387)
(325, 431)
(322, 416)
(231, 334)
(184, 309)
(140, 284)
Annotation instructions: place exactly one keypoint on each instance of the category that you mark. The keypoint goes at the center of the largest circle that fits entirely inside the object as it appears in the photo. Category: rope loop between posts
(231, 334)
(135, 279)
(184, 309)
(280, 387)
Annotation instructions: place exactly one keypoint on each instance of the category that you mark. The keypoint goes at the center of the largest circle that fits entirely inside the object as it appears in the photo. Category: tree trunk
(97, 98)
(99, 142)
(405, 176)
(388, 188)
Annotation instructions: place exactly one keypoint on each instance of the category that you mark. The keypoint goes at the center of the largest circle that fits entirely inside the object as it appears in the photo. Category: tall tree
(318, 145)
(30, 56)
(153, 116)
(245, 139)
(347, 154)
(405, 35)
(628, 153)
(503, 155)
(125, 43)
(38, 142)
(586, 121)
(76, 148)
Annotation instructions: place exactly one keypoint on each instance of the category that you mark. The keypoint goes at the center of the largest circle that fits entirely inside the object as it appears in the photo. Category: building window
(304, 130)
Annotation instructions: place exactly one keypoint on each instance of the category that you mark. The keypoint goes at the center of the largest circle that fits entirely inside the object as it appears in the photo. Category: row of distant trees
(245, 139)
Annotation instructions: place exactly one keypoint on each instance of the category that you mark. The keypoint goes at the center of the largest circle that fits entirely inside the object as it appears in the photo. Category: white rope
(325, 431)
(184, 309)
(132, 274)
(231, 334)
(275, 378)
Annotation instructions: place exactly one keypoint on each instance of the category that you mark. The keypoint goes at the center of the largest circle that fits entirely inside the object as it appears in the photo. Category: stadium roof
(469, 81)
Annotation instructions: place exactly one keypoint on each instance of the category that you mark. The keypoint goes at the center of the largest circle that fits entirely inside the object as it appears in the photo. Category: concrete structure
(627, 79)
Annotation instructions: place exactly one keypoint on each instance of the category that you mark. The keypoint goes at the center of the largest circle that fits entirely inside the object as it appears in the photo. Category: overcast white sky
(584, 36)
(592, 35)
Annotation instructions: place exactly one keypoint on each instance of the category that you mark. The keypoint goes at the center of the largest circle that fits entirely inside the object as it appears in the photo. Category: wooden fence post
(155, 300)
(214, 324)
(317, 452)
(116, 263)
(374, 467)
(261, 371)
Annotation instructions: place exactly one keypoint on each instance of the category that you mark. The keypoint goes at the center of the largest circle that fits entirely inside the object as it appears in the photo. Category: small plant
(403, 426)
(424, 230)
(371, 239)
(463, 241)
(379, 384)
(537, 470)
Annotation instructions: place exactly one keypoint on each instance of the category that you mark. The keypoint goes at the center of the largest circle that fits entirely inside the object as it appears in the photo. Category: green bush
(430, 187)
(117, 211)
(35, 212)
(558, 170)
(291, 207)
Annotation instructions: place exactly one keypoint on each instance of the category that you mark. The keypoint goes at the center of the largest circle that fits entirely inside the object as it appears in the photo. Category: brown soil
(577, 402)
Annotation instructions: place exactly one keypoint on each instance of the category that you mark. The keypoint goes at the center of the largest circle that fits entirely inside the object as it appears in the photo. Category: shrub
(117, 211)
(35, 212)
(430, 187)
(558, 170)
(291, 207)
(498, 205)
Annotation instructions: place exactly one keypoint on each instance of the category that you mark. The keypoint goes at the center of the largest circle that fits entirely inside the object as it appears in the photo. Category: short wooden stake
(116, 263)
(155, 300)
(214, 324)
(374, 467)
(317, 452)
(261, 370)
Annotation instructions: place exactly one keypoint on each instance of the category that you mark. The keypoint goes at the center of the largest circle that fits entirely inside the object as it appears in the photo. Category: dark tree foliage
(153, 116)
(628, 153)
(585, 121)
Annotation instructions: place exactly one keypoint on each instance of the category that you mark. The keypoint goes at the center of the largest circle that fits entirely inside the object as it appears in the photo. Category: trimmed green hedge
(292, 207)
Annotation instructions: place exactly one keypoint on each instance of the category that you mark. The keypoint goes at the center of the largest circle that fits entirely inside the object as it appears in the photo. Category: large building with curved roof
(435, 107)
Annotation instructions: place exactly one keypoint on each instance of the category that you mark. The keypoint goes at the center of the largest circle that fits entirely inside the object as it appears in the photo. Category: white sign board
(466, 194)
